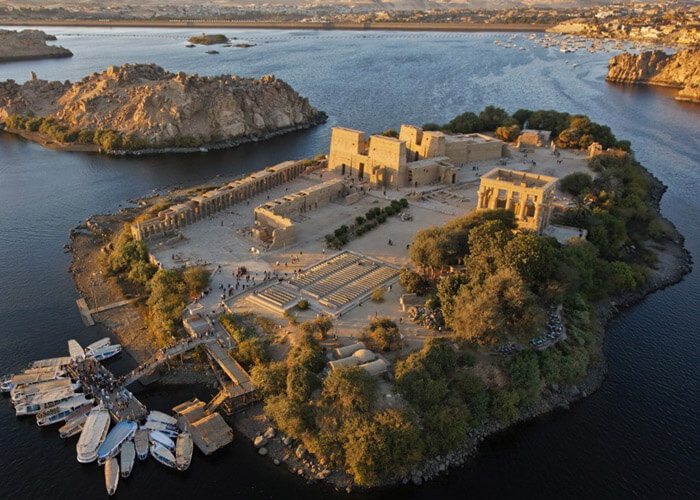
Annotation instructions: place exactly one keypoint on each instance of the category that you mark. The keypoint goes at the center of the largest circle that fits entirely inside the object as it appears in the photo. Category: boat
(45, 363)
(111, 475)
(98, 344)
(105, 352)
(141, 443)
(166, 429)
(41, 402)
(93, 434)
(183, 451)
(76, 352)
(127, 455)
(25, 391)
(32, 376)
(162, 438)
(59, 412)
(159, 416)
(212, 52)
(121, 432)
(162, 454)
(75, 422)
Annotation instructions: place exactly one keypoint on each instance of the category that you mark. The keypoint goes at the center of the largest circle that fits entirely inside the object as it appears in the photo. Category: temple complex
(529, 196)
(417, 157)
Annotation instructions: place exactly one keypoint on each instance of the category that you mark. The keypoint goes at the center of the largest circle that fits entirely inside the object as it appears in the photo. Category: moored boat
(110, 446)
(76, 352)
(141, 443)
(40, 402)
(32, 377)
(59, 412)
(111, 475)
(105, 352)
(98, 344)
(23, 392)
(183, 451)
(163, 439)
(162, 454)
(93, 434)
(169, 430)
(127, 455)
(49, 362)
(159, 416)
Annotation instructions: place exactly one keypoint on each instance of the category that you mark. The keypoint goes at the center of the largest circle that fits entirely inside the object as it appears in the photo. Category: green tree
(576, 183)
(270, 379)
(492, 117)
(196, 280)
(251, 352)
(350, 389)
(382, 334)
(293, 417)
(445, 426)
(413, 282)
(504, 405)
(523, 371)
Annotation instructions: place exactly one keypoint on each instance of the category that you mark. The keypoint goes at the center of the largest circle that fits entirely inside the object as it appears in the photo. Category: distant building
(531, 137)
(416, 158)
(529, 196)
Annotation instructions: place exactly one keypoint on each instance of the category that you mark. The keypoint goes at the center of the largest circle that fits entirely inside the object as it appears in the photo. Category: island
(28, 44)
(390, 304)
(205, 39)
(680, 70)
(143, 108)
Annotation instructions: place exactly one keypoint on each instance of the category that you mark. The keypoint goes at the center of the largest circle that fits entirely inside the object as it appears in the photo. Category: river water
(636, 437)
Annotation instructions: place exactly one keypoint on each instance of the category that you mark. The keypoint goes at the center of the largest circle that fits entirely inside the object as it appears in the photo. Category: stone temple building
(529, 196)
(416, 158)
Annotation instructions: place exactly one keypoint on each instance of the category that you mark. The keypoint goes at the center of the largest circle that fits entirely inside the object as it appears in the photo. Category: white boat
(93, 434)
(121, 432)
(76, 352)
(25, 391)
(42, 401)
(141, 443)
(45, 363)
(98, 344)
(59, 412)
(127, 455)
(161, 438)
(111, 475)
(183, 451)
(105, 352)
(159, 426)
(162, 454)
(159, 416)
(31, 377)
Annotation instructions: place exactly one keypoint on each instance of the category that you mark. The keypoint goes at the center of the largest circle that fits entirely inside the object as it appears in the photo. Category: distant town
(665, 22)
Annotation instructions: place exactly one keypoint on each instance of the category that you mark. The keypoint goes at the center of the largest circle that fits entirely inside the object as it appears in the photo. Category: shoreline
(281, 25)
(674, 263)
(49, 143)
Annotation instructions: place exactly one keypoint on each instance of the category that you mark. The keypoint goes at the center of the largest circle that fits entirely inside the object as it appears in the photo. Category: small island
(143, 108)
(205, 39)
(28, 44)
(391, 304)
(680, 70)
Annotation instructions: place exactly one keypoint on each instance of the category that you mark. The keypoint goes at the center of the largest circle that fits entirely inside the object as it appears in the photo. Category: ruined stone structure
(273, 225)
(416, 158)
(170, 220)
(531, 137)
(529, 196)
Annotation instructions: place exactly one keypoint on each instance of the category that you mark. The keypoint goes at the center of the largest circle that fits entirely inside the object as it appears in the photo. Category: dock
(208, 429)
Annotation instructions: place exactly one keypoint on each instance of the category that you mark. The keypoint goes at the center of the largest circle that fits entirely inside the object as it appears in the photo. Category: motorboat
(93, 434)
(25, 391)
(121, 432)
(49, 362)
(183, 451)
(164, 428)
(31, 377)
(75, 422)
(162, 454)
(163, 439)
(59, 412)
(159, 416)
(141, 443)
(99, 344)
(105, 352)
(42, 402)
(77, 353)
(111, 475)
(127, 455)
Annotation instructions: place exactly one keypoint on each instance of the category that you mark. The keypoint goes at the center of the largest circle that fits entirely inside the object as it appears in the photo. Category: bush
(196, 279)
(576, 183)
(293, 417)
(269, 379)
(503, 405)
(382, 334)
(350, 389)
(413, 282)
(303, 305)
(509, 133)
(377, 295)
(523, 371)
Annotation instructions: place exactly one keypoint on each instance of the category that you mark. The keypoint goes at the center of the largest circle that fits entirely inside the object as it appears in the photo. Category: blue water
(636, 437)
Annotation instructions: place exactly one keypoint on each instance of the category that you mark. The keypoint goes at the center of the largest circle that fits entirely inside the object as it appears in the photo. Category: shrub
(382, 334)
(503, 405)
(269, 379)
(576, 183)
(377, 295)
(303, 304)
(413, 282)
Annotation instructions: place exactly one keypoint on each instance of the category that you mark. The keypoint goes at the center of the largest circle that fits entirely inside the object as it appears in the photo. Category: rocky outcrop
(160, 108)
(680, 70)
(28, 44)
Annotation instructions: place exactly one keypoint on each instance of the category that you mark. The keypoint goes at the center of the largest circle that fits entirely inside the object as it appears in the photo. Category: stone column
(509, 200)
(481, 199)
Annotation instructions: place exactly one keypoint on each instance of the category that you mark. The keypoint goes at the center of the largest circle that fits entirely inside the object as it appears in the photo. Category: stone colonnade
(170, 220)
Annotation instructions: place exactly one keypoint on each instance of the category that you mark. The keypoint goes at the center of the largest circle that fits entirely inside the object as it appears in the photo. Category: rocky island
(144, 108)
(680, 70)
(205, 39)
(28, 44)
